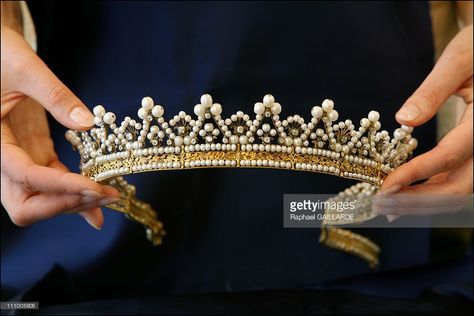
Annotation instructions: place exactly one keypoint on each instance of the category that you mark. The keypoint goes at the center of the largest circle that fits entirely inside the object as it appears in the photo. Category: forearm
(11, 15)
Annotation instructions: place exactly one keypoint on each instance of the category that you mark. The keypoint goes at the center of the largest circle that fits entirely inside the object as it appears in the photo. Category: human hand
(35, 185)
(448, 167)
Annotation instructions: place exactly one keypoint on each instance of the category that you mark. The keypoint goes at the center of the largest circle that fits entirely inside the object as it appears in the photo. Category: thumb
(453, 68)
(43, 86)
(28, 74)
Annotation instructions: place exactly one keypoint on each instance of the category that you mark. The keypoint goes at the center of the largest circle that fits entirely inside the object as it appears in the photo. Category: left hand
(448, 166)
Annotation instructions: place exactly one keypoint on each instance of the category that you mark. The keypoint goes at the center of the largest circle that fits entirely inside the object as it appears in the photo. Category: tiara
(111, 150)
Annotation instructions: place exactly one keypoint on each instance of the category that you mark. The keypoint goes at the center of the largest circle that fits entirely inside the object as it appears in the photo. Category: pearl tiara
(263, 140)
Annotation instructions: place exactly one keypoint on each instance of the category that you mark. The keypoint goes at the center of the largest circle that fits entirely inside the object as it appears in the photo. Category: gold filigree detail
(347, 241)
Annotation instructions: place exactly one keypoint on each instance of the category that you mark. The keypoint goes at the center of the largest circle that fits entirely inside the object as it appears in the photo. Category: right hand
(35, 185)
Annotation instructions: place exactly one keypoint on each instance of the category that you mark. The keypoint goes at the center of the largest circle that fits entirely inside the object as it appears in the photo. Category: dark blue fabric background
(224, 226)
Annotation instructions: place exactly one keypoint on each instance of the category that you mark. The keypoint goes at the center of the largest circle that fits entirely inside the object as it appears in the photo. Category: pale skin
(35, 185)
(447, 168)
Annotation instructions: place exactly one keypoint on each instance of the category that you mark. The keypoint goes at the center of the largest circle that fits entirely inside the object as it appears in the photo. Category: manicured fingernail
(408, 112)
(383, 201)
(82, 117)
(108, 201)
(381, 210)
(391, 190)
(89, 220)
(391, 218)
(92, 193)
(89, 199)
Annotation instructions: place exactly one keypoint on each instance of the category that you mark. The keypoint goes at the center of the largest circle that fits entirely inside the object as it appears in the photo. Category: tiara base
(124, 163)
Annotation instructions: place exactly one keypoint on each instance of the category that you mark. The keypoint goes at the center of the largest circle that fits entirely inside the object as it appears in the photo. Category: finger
(455, 190)
(93, 217)
(466, 92)
(109, 191)
(16, 163)
(58, 165)
(33, 78)
(19, 167)
(452, 151)
(42, 85)
(437, 178)
(453, 68)
(413, 198)
(420, 211)
(46, 205)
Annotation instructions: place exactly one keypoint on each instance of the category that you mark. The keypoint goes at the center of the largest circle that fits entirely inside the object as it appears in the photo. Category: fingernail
(391, 218)
(408, 113)
(89, 199)
(82, 117)
(107, 201)
(89, 221)
(92, 193)
(383, 201)
(391, 190)
(381, 210)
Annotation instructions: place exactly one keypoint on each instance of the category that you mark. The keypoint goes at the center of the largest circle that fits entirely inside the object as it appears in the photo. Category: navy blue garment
(225, 230)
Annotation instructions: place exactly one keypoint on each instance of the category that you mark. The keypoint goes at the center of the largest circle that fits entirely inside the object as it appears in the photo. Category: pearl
(142, 113)
(206, 100)
(259, 108)
(399, 134)
(109, 118)
(97, 121)
(157, 111)
(374, 116)
(333, 115)
(199, 110)
(178, 140)
(407, 129)
(288, 141)
(328, 105)
(317, 112)
(99, 111)
(147, 103)
(268, 100)
(276, 108)
(243, 139)
(413, 143)
(208, 127)
(234, 139)
(365, 123)
(216, 109)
